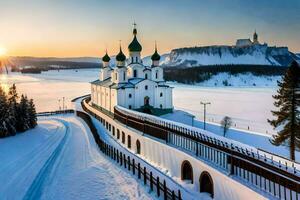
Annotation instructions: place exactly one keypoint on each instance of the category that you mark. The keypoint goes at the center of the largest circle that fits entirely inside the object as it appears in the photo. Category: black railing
(269, 176)
(54, 112)
(131, 164)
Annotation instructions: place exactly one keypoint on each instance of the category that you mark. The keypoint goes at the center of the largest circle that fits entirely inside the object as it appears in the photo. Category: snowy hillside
(222, 55)
(240, 80)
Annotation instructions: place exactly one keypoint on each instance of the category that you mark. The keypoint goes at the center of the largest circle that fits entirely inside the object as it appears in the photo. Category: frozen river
(248, 107)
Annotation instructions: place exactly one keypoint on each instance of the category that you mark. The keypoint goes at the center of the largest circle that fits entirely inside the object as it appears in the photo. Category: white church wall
(139, 69)
(160, 100)
(141, 93)
(114, 97)
(147, 74)
(157, 74)
(98, 95)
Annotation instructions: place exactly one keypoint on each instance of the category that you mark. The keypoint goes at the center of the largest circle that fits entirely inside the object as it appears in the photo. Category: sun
(2, 51)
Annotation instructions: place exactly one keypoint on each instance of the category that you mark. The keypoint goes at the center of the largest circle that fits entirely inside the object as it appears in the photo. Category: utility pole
(204, 105)
(59, 107)
(63, 104)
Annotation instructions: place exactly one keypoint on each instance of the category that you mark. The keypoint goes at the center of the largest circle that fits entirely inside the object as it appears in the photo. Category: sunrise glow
(2, 51)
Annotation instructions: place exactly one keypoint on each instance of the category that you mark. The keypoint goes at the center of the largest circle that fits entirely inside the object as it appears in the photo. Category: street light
(59, 105)
(204, 104)
(63, 104)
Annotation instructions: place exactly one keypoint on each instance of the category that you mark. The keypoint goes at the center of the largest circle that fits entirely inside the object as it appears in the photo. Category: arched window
(136, 59)
(129, 106)
(206, 183)
(124, 76)
(134, 73)
(130, 95)
(146, 87)
(186, 171)
(123, 137)
(161, 94)
(156, 74)
(118, 134)
(138, 147)
(131, 59)
(160, 106)
(146, 76)
(129, 141)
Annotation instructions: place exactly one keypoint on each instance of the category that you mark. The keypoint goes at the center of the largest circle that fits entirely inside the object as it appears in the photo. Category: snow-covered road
(60, 160)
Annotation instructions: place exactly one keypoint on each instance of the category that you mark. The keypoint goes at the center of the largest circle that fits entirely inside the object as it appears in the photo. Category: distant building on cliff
(248, 42)
(131, 84)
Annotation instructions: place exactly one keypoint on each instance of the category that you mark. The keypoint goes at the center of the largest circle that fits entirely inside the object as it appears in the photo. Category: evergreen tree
(3, 113)
(32, 114)
(13, 106)
(288, 115)
(22, 123)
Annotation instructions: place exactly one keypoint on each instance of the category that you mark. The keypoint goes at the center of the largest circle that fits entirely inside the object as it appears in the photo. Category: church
(247, 42)
(131, 84)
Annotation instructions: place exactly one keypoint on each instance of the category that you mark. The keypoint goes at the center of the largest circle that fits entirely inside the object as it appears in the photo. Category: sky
(68, 28)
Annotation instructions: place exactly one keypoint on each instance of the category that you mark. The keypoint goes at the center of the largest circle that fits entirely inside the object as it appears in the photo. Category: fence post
(145, 176)
(117, 156)
(151, 181)
(158, 186)
(110, 152)
(173, 195)
(124, 160)
(114, 153)
(121, 158)
(128, 158)
(139, 170)
(179, 195)
(133, 166)
(165, 190)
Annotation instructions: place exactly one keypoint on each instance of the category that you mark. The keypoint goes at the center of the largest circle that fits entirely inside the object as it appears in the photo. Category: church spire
(255, 37)
(120, 57)
(134, 45)
(135, 48)
(105, 59)
(155, 57)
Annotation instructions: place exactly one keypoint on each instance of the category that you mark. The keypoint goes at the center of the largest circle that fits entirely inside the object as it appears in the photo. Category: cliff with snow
(228, 55)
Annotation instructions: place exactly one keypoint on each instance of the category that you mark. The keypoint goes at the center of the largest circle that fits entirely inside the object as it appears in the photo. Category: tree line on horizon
(199, 74)
(17, 114)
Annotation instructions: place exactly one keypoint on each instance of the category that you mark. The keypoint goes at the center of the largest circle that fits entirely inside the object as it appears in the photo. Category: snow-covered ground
(248, 106)
(255, 139)
(60, 160)
(240, 80)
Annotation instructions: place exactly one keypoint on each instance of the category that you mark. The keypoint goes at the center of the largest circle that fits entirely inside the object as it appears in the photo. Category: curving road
(66, 165)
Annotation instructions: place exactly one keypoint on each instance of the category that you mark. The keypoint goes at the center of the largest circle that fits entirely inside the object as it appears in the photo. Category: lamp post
(59, 105)
(63, 104)
(204, 105)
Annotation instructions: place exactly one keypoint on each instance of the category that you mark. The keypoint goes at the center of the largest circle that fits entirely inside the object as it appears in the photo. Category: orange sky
(64, 28)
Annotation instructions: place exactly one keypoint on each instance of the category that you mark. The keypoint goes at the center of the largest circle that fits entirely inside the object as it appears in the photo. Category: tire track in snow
(15, 171)
(36, 188)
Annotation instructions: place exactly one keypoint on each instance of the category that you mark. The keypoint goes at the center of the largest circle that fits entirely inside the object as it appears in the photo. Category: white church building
(132, 85)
